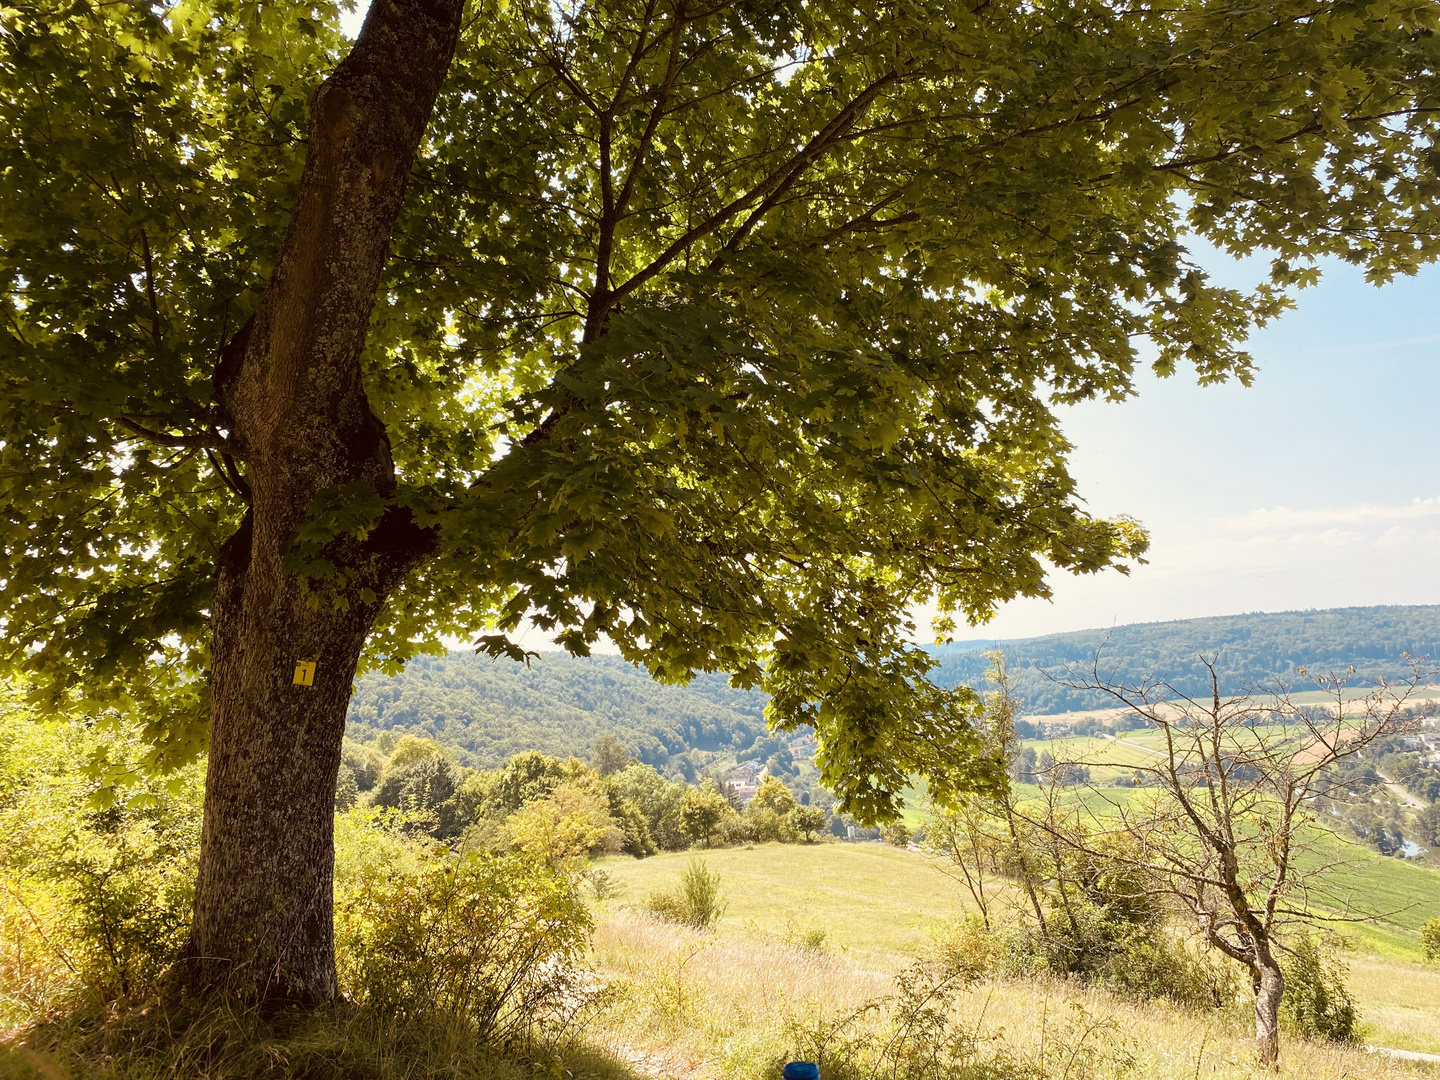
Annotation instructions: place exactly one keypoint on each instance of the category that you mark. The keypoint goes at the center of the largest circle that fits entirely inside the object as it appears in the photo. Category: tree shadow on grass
(221, 1042)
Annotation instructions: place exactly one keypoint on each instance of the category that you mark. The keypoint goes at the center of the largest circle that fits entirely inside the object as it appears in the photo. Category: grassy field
(1400, 894)
(721, 1007)
(874, 902)
(691, 999)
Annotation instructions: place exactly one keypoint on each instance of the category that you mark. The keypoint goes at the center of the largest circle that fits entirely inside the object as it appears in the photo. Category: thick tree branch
(776, 182)
(207, 440)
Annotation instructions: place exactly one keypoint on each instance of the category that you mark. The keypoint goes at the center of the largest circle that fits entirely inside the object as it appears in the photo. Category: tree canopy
(730, 331)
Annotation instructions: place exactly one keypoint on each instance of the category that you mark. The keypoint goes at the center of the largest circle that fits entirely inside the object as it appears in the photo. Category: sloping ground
(875, 903)
(734, 1006)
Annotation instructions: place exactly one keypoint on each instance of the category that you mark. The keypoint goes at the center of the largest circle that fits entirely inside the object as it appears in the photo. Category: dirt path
(656, 1064)
(1136, 745)
(1400, 793)
(1402, 1055)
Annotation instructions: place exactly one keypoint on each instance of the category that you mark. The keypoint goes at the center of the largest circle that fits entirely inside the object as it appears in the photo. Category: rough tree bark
(1269, 985)
(289, 386)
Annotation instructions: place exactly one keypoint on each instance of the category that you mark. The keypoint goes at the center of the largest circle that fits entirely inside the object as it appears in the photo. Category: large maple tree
(730, 331)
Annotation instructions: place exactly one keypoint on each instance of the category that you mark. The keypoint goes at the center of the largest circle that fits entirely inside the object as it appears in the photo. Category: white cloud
(1264, 560)
(1281, 517)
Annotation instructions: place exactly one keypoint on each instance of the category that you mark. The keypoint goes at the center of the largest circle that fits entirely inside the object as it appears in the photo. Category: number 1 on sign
(305, 673)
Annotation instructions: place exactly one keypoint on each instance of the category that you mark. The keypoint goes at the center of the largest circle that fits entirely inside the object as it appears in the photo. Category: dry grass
(216, 1041)
(875, 903)
(1399, 1002)
(720, 1005)
(731, 1006)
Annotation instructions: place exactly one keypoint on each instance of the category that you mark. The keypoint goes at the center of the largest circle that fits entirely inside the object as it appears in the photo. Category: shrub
(1138, 960)
(806, 938)
(1317, 1003)
(1153, 965)
(1430, 939)
(489, 941)
(603, 884)
(896, 834)
(759, 825)
(698, 902)
(93, 898)
(569, 823)
(965, 950)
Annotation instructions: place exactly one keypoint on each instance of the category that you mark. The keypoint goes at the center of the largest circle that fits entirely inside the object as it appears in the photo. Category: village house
(744, 779)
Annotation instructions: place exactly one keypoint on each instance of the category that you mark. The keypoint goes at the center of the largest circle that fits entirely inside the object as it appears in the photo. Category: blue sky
(1318, 486)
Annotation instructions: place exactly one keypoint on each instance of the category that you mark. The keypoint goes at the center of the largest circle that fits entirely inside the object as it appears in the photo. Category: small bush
(488, 941)
(94, 899)
(667, 906)
(812, 939)
(768, 826)
(965, 949)
(896, 834)
(1139, 961)
(1317, 1003)
(1430, 939)
(603, 884)
(698, 902)
(1152, 965)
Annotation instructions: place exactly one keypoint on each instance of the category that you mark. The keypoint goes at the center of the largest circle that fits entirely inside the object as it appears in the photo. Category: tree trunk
(1269, 989)
(289, 388)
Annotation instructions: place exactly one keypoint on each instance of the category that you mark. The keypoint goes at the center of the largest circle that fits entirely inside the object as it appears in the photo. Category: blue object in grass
(802, 1070)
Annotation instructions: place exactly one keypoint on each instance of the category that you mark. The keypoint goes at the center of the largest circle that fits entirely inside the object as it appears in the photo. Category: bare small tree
(980, 841)
(970, 845)
(1225, 821)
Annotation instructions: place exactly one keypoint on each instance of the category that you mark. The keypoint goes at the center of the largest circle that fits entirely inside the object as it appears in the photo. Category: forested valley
(487, 709)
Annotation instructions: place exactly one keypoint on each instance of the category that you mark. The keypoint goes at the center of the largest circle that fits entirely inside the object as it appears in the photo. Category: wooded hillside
(1253, 650)
(491, 709)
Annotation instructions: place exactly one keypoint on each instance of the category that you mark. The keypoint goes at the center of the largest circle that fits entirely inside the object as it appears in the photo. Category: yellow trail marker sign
(305, 673)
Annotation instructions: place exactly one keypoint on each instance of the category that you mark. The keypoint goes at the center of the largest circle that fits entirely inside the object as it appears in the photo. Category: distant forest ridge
(1250, 651)
(488, 710)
